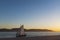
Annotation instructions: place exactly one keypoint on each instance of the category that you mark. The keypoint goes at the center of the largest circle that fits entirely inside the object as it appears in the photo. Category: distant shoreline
(27, 30)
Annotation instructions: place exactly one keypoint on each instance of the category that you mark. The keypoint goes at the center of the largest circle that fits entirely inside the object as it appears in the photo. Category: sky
(33, 14)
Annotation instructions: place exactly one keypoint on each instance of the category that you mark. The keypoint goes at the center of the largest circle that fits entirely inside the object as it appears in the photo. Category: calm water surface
(29, 34)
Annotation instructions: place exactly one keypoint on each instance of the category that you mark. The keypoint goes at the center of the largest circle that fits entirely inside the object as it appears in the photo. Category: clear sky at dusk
(38, 14)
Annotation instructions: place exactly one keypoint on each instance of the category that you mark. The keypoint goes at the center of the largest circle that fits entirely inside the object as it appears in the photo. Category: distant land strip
(15, 29)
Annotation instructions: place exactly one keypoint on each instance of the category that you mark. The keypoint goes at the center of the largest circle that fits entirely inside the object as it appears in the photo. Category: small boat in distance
(20, 32)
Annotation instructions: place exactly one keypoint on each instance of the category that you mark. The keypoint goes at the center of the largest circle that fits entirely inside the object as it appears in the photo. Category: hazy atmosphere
(40, 14)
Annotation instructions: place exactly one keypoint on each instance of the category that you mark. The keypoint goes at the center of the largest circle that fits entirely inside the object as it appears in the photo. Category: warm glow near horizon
(57, 29)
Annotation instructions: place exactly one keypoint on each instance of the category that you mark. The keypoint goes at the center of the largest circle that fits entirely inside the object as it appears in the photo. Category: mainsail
(20, 31)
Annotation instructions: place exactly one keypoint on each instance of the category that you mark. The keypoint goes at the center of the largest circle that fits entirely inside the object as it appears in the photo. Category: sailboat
(20, 32)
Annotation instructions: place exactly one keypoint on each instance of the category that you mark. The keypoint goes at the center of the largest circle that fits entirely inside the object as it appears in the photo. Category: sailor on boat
(20, 32)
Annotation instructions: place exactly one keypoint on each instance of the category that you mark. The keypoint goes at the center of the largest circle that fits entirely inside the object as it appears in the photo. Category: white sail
(21, 31)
